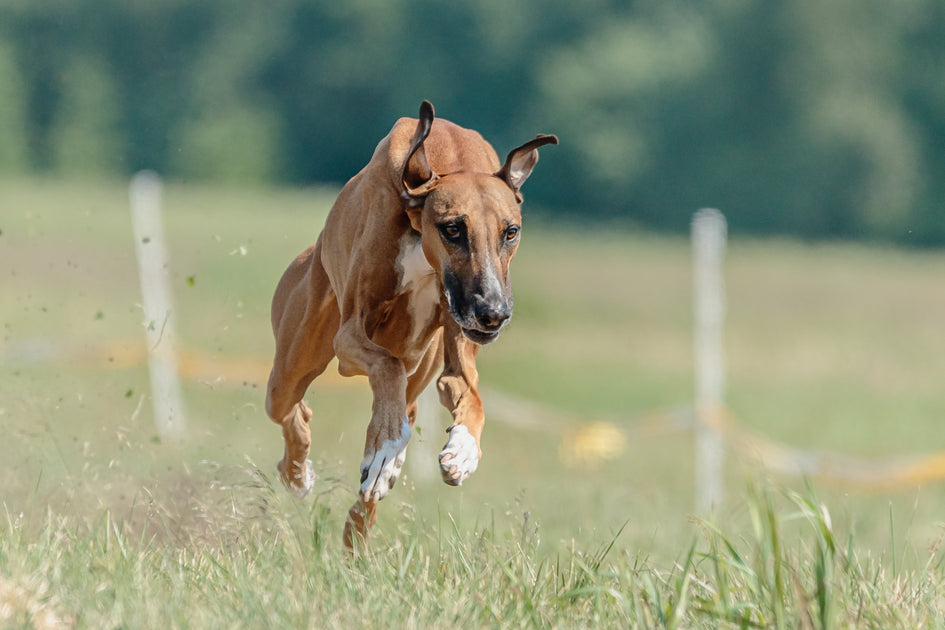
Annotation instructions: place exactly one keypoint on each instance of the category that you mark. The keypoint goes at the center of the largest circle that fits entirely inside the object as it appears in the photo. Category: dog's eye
(511, 233)
(451, 231)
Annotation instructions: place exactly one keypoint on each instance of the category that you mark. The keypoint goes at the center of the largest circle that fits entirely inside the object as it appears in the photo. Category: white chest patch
(417, 277)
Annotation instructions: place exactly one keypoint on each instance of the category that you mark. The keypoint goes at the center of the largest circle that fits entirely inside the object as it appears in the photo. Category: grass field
(829, 347)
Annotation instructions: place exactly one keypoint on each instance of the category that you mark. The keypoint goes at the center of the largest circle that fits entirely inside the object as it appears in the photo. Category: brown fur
(351, 295)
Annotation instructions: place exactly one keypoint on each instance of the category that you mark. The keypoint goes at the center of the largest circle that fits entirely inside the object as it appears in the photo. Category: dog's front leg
(459, 392)
(385, 446)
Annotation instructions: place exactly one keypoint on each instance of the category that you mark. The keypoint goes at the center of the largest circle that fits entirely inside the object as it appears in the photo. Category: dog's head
(470, 226)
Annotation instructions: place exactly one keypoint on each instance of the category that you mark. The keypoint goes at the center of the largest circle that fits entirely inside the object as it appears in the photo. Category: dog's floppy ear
(418, 178)
(520, 162)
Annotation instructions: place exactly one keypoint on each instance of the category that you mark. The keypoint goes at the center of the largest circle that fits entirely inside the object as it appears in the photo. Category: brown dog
(411, 271)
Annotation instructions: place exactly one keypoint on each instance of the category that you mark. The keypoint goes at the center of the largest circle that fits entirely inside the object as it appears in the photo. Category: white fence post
(428, 436)
(708, 249)
(153, 268)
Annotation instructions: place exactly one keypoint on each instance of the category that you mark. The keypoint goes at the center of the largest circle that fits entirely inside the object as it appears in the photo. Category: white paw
(379, 470)
(301, 482)
(460, 457)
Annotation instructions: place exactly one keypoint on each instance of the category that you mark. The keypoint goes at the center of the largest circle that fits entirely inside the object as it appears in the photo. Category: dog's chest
(407, 322)
(417, 281)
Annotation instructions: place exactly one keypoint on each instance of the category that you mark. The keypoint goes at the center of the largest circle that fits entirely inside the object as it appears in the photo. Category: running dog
(410, 272)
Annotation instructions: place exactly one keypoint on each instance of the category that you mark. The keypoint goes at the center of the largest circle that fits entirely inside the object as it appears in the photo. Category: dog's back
(449, 149)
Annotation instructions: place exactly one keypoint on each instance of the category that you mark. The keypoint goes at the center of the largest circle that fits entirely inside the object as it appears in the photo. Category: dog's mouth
(478, 329)
(480, 336)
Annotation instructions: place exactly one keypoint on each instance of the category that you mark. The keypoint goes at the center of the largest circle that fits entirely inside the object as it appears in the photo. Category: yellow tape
(591, 443)
(192, 364)
(843, 470)
(584, 444)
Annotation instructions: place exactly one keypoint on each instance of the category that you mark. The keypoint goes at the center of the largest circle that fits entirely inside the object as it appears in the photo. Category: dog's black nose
(492, 317)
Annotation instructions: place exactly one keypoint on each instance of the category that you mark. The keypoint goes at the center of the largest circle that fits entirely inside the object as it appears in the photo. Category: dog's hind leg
(361, 517)
(295, 468)
(304, 321)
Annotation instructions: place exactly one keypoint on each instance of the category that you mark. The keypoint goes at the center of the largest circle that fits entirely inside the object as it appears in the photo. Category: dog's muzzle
(490, 320)
(481, 318)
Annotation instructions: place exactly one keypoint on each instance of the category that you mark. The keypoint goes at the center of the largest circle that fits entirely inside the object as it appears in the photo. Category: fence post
(708, 249)
(153, 267)
(428, 436)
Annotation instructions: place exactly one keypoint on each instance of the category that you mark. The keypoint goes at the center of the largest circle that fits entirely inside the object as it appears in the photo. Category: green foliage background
(818, 119)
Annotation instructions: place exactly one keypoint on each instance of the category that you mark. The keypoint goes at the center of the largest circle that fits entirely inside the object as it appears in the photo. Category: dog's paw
(460, 457)
(298, 482)
(380, 469)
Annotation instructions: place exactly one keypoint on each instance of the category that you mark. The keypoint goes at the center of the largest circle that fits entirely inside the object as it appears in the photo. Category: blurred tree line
(805, 117)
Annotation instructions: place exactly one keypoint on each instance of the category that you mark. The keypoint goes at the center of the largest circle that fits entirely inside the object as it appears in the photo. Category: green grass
(241, 556)
(836, 347)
